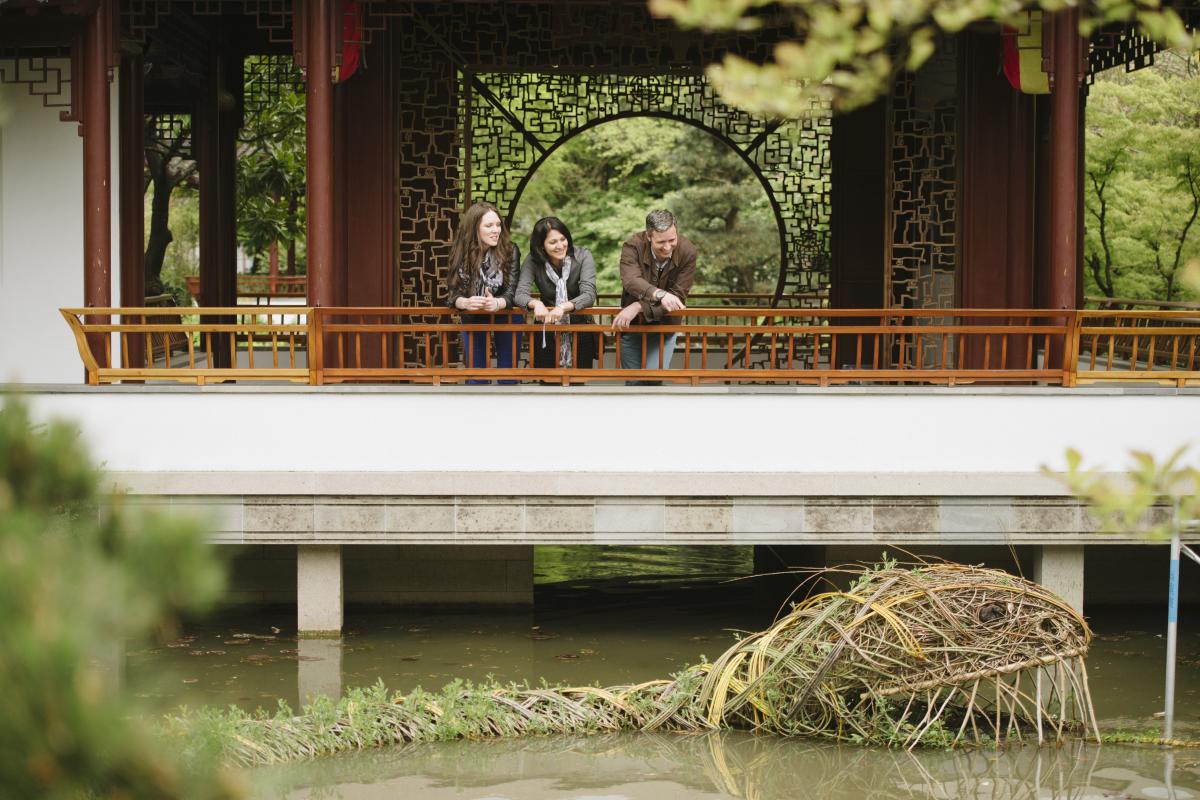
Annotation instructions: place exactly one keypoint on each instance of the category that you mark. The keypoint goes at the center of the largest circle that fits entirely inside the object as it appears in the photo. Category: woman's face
(556, 246)
(489, 230)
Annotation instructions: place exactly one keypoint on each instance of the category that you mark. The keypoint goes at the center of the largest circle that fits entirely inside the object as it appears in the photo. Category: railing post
(316, 347)
(75, 321)
(1071, 350)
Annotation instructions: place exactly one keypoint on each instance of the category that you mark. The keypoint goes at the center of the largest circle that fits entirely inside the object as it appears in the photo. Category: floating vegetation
(940, 655)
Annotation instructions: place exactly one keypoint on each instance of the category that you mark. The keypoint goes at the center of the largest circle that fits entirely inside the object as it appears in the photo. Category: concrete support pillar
(320, 668)
(1060, 569)
(318, 590)
(109, 661)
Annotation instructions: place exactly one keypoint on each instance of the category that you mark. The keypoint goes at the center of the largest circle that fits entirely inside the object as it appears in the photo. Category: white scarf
(560, 297)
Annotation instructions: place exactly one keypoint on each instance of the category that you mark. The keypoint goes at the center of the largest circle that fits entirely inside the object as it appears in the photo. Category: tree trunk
(291, 253)
(160, 232)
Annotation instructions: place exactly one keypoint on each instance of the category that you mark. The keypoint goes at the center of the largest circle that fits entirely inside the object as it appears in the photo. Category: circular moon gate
(511, 122)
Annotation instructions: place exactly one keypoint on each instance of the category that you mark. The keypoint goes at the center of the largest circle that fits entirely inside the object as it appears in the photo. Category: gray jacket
(581, 284)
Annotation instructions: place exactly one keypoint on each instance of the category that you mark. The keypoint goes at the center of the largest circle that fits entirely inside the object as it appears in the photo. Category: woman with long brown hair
(484, 268)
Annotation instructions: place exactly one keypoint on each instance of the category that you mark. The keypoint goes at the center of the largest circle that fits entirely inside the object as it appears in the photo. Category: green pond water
(623, 615)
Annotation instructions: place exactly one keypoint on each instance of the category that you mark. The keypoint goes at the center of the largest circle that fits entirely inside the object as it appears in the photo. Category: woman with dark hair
(483, 277)
(564, 277)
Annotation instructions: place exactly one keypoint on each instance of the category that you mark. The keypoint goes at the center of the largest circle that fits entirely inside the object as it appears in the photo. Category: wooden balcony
(725, 345)
(261, 287)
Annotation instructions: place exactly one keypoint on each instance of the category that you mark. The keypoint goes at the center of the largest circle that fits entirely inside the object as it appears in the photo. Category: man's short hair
(660, 220)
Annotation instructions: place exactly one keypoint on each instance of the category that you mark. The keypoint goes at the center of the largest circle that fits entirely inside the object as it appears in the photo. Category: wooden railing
(260, 286)
(707, 299)
(1134, 303)
(1158, 346)
(714, 345)
(192, 345)
(818, 346)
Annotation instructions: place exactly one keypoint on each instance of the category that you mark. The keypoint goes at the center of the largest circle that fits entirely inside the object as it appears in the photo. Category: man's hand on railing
(628, 314)
(671, 303)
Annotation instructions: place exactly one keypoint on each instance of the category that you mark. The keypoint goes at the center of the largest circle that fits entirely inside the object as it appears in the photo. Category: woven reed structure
(938, 655)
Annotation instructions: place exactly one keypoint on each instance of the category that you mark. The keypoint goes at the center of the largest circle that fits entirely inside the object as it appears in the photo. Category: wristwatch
(659, 294)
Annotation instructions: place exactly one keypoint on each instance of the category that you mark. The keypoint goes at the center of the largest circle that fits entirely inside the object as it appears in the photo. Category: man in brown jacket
(658, 267)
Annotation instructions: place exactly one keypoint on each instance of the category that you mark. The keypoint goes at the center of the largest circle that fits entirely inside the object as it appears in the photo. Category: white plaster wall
(41, 236)
(241, 435)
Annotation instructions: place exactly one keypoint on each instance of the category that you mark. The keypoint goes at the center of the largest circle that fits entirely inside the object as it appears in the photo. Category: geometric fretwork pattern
(172, 133)
(428, 200)
(1119, 45)
(518, 119)
(436, 44)
(47, 78)
(265, 79)
(924, 253)
(139, 17)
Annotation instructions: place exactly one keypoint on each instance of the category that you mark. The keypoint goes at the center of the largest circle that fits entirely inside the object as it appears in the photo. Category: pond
(622, 615)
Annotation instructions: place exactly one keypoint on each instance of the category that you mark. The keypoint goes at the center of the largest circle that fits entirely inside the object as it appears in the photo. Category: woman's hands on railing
(483, 302)
(550, 316)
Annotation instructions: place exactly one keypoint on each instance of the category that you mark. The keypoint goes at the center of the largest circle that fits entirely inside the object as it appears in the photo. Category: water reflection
(637, 766)
(319, 670)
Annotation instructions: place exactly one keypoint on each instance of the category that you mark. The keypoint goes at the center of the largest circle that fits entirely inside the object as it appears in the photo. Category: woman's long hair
(466, 254)
(537, 239)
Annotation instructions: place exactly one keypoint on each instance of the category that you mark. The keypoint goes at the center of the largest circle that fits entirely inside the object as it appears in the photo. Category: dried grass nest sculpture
(939, 655)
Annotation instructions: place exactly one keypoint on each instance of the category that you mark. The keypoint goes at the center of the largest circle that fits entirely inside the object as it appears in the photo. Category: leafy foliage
(602, 183)
(182, 257)
(271, 158)
(1142, 181)
(78, 574)
(170, 173)
(846, 52)
(1142, 501)
(271, 169)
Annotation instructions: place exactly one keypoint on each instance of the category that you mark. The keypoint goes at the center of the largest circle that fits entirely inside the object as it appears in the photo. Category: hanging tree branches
(844, 53)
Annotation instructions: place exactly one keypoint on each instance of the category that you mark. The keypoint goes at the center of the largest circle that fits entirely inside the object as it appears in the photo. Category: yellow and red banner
(1023, 55)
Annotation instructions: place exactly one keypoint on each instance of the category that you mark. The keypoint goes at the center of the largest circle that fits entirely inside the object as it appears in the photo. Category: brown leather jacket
(640, 278)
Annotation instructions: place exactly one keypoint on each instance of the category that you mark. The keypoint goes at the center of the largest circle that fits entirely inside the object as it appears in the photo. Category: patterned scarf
(560, 297)
(490, 276)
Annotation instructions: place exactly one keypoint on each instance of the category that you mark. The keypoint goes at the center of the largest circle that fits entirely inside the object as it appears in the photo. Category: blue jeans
(504, 346)
(631, 353)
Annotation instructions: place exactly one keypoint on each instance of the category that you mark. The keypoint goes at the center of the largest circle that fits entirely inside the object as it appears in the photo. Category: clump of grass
(938, 656)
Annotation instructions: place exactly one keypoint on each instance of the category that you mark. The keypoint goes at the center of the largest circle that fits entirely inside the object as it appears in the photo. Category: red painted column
(318, 53)
(132, 196)
(97, 189)
(1066, 59)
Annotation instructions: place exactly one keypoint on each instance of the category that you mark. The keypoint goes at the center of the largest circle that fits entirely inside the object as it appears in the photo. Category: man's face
(662, 243)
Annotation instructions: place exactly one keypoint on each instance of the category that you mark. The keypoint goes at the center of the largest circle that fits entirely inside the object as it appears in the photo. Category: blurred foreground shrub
(79, 575)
